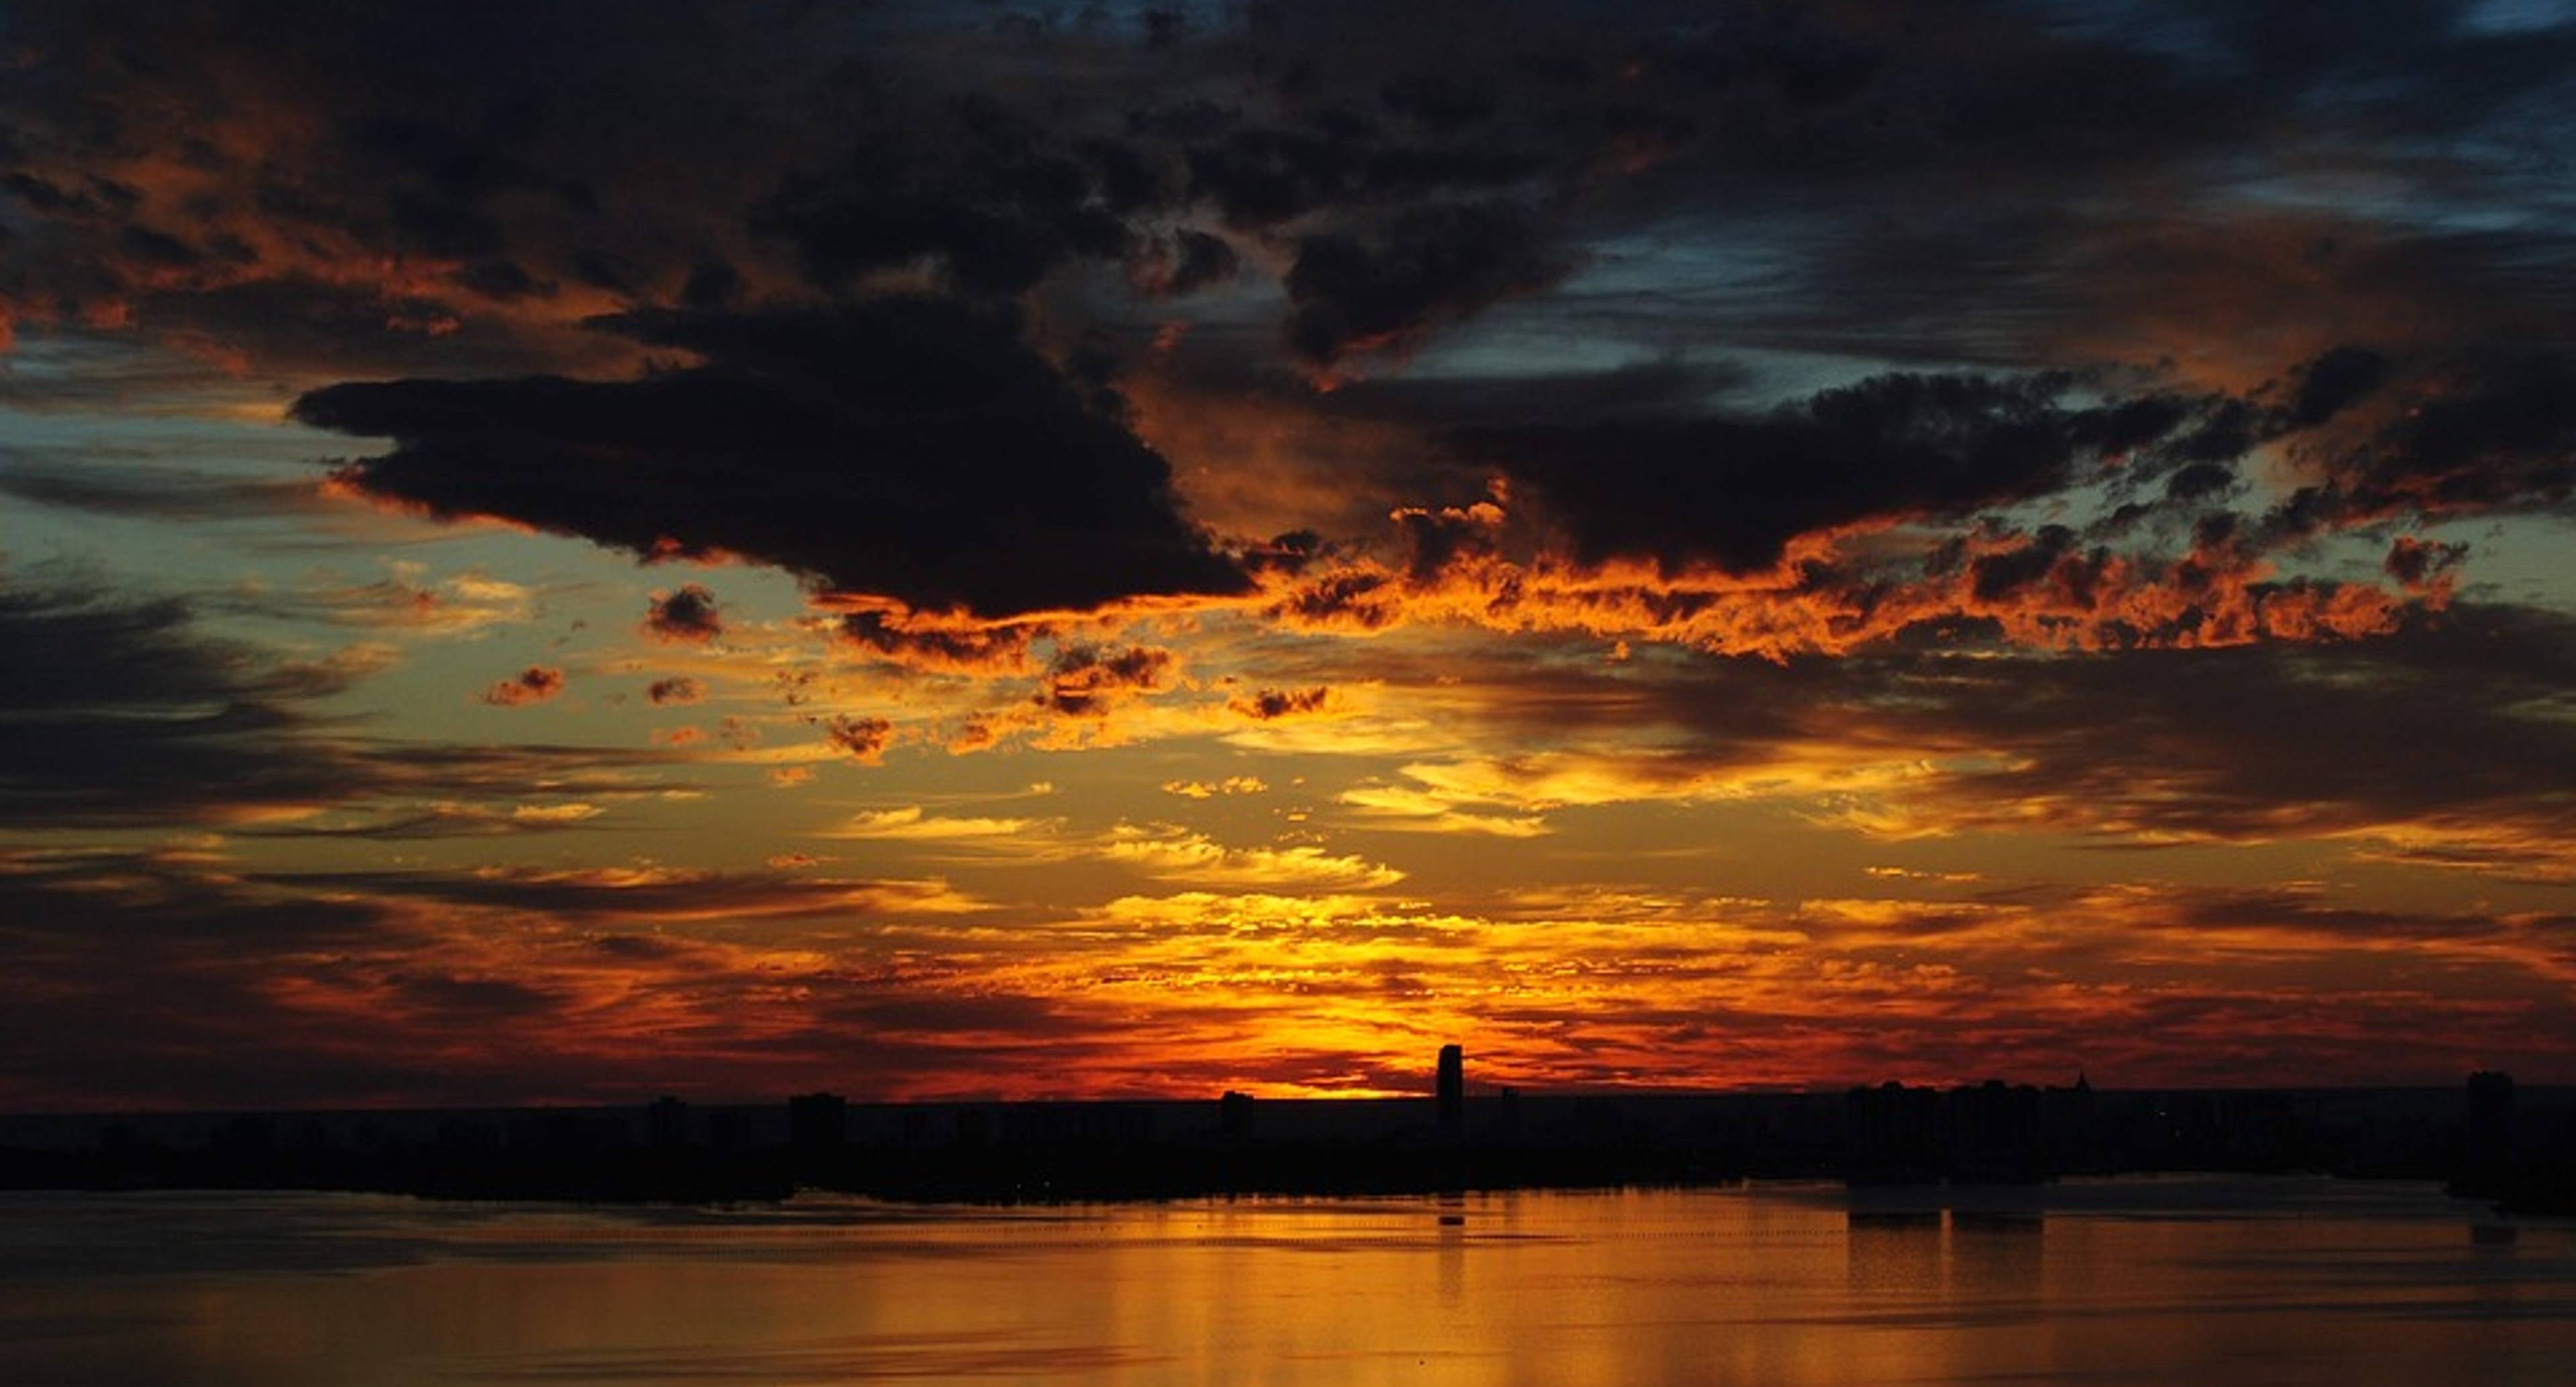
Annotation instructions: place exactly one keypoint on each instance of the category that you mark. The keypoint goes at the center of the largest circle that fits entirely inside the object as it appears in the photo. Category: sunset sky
(577, 551)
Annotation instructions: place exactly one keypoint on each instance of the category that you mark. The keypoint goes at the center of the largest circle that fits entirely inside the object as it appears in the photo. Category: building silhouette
(818, 1122)
(1453, 1090)
(2493, 1139)
(666, 1123)
(1990, 1132)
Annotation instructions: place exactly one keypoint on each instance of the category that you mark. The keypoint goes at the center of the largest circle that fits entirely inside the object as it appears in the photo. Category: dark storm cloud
(996, 210)
(905, 447)
(1681, 486)
(391, 176)
(1733, 491)
(911, 448)
(2397, 66)
(2334, 381)
(1182, 264)
(1404, 168)
(2488, 433)
(2009, 186)
(302, 326)
(2199, 481)
(1653, 389)
(1430, 266)
(1260, 176)
(2054, 110)
(2505, 434)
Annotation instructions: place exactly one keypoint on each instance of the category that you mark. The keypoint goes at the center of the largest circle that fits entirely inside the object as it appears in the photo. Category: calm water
(2210, 1283)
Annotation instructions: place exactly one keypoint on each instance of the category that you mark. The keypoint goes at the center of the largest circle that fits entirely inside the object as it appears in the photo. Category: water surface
(2208, 1282)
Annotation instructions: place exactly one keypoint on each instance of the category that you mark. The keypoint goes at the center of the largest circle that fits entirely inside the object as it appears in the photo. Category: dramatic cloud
(535, 684)
(1937, 540)
(351, 183)
(1183, 263)
(997, 208)
(1202, 789)
(151, 492)
(687, 615)
(1269, 704)
(1733, 492)
(642, 896)
(183, 960)
(464, 605)
(1196, 859)
(547, 985)
(1086, 681)
(123, 713)
(445, 819)
(2421, 567)
(2248, 744)
(929, 642)
(2252, 744)
(2479, 436)
(912, 825)
(677, 689)
(905, 447)
(2038, 588)
(1429, 267)
(129, 715)
(864, 739)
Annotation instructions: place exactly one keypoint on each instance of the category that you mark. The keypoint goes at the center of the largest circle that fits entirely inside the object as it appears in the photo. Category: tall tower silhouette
(1453, 1090)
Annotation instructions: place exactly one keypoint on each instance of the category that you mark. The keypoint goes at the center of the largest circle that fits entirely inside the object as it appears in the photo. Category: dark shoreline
(2520, 1156)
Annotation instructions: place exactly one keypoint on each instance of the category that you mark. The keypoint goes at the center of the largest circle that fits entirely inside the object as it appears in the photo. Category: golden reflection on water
(2287, 1284)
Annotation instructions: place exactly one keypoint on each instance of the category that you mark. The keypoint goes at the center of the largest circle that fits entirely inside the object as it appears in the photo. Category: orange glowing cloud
(535, 684)
(2057, 598)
